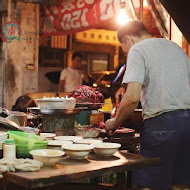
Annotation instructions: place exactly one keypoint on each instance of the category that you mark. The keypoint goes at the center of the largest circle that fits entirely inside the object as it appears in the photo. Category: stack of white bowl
(3, 137)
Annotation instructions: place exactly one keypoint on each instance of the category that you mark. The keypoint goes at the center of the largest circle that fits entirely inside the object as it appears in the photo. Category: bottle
(9, 149)
(95, 117)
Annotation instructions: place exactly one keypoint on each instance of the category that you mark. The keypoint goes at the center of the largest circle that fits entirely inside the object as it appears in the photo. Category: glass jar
(9, 149)
(95, 117)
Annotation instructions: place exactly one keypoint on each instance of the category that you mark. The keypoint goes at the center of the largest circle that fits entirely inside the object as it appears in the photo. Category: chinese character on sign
(11, 31)
(68, 5)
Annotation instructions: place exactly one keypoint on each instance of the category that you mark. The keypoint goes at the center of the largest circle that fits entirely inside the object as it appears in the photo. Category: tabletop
(68, 170)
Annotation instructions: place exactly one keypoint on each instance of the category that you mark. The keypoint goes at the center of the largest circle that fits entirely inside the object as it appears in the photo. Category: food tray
(56, 103)
(90, 105)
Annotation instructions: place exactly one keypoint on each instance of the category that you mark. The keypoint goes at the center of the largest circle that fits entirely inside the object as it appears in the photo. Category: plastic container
(25, 142)
(9, 149)
(95, 117)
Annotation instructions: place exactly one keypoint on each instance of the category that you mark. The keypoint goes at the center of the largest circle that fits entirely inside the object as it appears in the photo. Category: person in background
(158, 74)
(116, 83)
(120, 71)
(117, 99)
(22, 103)
(72, 77)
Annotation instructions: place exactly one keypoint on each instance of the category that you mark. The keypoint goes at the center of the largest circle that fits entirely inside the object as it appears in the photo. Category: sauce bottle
(9, 149)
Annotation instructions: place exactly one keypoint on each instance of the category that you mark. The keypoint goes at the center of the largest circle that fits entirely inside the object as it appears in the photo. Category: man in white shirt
(72, 77)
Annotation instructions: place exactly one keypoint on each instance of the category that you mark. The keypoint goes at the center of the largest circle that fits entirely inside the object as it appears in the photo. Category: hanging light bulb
(122, 17)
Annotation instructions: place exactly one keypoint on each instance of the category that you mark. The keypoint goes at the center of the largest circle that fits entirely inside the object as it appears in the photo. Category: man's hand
(85, 77)
(110, 126)
(61, 85)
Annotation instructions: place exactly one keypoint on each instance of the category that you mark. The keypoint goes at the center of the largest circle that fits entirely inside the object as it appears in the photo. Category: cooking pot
(18, 117)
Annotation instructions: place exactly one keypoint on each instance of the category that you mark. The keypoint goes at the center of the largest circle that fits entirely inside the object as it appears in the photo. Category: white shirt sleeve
(135, 70)
(63, 74)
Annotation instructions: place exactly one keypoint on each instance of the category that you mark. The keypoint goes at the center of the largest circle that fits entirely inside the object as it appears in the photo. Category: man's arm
(128, 104)
(61, 85)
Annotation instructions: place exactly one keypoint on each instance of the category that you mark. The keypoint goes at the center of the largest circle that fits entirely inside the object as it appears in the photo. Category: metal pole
(141, 10)
(132, 9)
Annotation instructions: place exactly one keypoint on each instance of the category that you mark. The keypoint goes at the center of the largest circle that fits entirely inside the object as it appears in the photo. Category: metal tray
(55, 111)
(8, 124)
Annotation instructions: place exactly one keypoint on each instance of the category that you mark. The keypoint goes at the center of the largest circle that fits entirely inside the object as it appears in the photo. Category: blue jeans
(166, 136)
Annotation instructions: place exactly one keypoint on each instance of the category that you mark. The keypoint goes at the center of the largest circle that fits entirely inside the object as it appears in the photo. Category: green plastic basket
(25, 142)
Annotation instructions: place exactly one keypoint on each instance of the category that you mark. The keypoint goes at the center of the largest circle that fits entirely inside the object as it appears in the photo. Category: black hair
(132, 28)
(22, 103)
(76, 54)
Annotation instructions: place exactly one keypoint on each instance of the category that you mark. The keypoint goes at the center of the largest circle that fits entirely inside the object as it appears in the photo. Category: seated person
(117, 98)
(21, 105)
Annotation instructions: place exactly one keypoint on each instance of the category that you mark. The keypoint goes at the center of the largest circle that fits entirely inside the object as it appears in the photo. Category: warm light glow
(108, 85)
(122, 17)
(145, 3)
(95, 85)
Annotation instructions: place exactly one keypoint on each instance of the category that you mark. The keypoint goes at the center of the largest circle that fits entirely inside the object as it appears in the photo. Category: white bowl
(77, 151)
(106, 149)
(87, 141)
(47, 136)
(58, 142)
(47, 156)
(67, 138)
(70, 103)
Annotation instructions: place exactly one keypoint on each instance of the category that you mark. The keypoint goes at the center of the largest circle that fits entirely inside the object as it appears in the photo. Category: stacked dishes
(3, 137)
(56, 144)
(67, 138)
(87, 141)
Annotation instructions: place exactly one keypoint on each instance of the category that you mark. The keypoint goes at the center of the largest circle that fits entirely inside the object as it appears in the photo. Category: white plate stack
(3, 137)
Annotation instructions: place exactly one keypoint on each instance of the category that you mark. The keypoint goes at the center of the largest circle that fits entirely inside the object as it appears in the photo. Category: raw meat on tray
(87, 94)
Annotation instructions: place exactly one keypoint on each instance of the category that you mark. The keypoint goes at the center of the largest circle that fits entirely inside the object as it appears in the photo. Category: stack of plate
(3, 137)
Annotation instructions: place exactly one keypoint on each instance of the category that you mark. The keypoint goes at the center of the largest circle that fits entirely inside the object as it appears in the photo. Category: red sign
(70, 16)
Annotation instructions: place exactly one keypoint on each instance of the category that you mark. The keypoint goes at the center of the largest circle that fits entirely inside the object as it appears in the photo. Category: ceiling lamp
(122, 17)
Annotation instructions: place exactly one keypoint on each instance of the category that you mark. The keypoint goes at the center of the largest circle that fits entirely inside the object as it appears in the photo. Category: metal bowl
(87, 132)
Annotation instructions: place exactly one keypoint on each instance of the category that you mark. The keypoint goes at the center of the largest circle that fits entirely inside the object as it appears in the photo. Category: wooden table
(68, 170)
